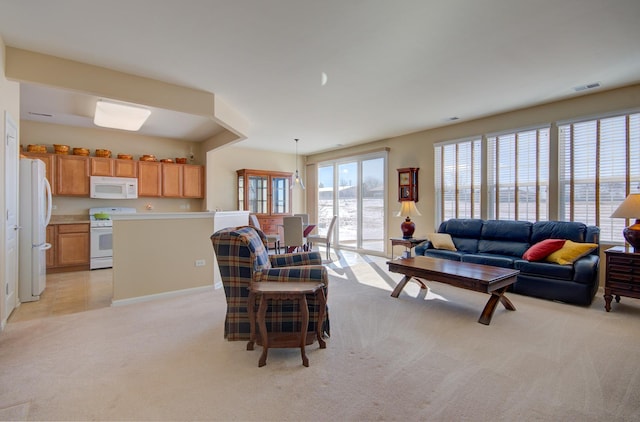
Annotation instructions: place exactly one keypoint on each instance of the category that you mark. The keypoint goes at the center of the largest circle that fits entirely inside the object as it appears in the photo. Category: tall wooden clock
(408, 184)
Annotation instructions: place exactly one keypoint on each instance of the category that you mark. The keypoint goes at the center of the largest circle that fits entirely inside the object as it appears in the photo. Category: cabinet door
(126, 168)
(280, 195)
(149, 178)
(101, 166)
(72, 175)
(50, 254)
(72, 244)
(49, 161)
(172, 180)
(258, 194)
(193, 181)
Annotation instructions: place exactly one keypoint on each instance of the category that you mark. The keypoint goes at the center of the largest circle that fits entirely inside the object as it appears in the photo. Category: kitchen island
(165, 254)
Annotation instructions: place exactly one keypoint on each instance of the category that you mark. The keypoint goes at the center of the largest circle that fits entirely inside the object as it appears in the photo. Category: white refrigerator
(35, 213)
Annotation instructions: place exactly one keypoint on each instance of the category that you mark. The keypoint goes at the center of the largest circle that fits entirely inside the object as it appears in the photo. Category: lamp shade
(630, 208)
(408, 209)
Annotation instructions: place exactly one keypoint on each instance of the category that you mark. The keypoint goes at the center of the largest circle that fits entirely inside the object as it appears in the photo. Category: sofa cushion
(541, 250)
(544, 269)
(505, 237)
(489, 259)
(465, 233)
(570, 230)
(444, 254)
(442, 241)
(570, 252)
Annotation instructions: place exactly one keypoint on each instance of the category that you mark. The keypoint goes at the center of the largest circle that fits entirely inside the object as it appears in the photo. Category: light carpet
(422, 356)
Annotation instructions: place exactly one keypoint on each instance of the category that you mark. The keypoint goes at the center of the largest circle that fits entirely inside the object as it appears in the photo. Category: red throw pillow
(542, 249)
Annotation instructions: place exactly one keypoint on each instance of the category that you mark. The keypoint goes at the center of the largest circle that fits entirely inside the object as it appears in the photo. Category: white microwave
(113, 187)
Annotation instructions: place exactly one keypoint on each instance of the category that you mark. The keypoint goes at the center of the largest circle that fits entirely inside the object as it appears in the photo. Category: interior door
(11, 223)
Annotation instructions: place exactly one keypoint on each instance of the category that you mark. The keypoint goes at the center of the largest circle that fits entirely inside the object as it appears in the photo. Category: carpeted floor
(418, 357)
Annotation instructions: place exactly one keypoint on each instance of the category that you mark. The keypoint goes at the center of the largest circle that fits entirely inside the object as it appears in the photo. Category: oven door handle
(101, 229)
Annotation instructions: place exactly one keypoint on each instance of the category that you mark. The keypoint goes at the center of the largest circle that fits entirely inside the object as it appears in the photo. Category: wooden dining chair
(326, 238)
(271, 238)
(293, 233)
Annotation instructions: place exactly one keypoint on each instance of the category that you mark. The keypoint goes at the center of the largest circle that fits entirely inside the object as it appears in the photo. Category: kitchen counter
(69, 219)
(160, 254)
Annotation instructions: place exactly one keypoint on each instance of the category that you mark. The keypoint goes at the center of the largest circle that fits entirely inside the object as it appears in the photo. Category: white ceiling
(394, 67)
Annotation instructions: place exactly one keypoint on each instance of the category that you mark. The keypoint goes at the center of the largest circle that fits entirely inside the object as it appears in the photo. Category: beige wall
(157, 256)
(9, 102)
(416, 150)
(222, 164)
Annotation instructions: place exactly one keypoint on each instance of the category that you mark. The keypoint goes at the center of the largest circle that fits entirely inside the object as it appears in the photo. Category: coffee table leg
(490, 307)
(403, 282)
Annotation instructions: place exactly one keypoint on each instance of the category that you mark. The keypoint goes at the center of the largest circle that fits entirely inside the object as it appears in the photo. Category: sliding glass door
(354, 189)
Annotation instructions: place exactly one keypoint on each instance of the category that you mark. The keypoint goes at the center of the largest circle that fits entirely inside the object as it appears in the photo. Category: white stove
(102, 235)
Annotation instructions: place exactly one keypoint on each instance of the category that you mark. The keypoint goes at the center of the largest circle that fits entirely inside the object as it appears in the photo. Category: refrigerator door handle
(45, 246)
(49, 201)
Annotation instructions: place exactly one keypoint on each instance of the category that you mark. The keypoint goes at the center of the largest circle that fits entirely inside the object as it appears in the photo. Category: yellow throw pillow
(442, 241)
(571, 252)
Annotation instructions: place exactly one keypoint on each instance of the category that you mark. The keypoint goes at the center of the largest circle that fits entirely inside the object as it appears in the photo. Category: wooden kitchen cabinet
(70, 249)
(193, 181)
(72, 175)
(172, 175)
(266, 194)
(49, 161)
(149, 178)
(125, 168)
(101, 166)
(50, 253)
(113, 167)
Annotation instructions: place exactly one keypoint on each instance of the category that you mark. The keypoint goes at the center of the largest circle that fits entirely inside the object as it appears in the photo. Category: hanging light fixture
(297, 181)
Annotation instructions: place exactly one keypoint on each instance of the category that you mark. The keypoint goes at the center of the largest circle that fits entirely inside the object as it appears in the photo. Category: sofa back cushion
(465, 233)
(568, 230)
(504, 237)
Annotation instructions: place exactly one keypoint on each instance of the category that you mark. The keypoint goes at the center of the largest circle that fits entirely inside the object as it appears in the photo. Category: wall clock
(408, 184)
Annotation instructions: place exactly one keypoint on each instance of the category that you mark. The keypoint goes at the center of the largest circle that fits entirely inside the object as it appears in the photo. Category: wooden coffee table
(476, 277)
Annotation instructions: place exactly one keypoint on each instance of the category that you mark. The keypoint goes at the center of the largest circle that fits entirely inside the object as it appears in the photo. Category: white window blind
(518, 177)
(457, 179)
(599, 166)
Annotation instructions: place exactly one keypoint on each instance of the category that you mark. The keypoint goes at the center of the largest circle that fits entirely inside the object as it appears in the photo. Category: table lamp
(408, 209)
(630, 208)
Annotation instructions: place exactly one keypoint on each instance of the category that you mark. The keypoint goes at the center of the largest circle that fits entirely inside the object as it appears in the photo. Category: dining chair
(305, 218)
(271, 238)
(293, 233)
(326, 239)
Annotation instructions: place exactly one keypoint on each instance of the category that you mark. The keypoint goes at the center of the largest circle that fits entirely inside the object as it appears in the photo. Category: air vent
(40, 114)
(586, 87)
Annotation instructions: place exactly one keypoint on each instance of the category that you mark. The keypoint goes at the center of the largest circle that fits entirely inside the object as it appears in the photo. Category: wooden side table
(622, 275)
(297, 291)
(407, 243)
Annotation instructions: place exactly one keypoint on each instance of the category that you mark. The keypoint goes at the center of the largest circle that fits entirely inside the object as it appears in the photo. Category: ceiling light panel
(120, 116)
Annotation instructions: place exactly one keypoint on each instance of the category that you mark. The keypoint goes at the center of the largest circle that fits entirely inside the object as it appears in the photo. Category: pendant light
(297, 181)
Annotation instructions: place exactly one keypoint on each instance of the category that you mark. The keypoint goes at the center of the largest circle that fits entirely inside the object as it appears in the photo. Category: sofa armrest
(585, 269)
(421, 247)
(295, 259)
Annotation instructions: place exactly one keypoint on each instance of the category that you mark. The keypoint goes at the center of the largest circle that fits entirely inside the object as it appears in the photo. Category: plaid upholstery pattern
(243, 258)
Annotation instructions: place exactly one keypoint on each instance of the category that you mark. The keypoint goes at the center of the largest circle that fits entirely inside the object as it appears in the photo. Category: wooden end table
(409, 243)
(297, 291)
(476, 277)
(622, 276)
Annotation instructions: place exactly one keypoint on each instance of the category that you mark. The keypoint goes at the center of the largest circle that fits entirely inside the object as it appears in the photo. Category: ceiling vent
(586, 87)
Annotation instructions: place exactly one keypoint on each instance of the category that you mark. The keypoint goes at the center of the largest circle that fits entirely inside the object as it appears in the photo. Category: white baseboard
(163, 295)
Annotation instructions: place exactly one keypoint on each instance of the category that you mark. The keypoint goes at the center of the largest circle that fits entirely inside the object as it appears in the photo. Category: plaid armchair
(242, 257)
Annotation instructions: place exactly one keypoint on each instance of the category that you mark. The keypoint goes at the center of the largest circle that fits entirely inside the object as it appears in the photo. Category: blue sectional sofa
(503, 243)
